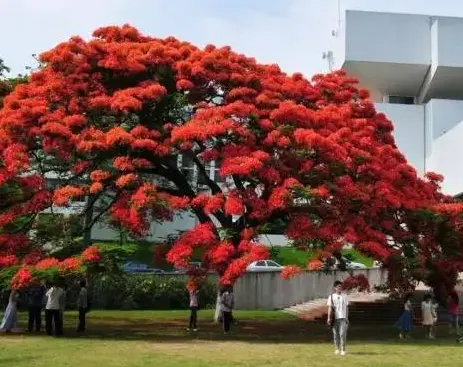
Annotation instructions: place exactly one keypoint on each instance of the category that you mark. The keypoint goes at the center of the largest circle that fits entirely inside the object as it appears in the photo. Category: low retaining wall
(268, 291)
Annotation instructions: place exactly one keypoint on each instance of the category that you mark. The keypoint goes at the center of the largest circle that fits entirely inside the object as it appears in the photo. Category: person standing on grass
(434, 307)
(405, 322)
(227, 303)
(55, 300)
(194, 305)
(11, 313)
(82, 305)
(36, 296)
(427, 315)
(453, 309)
(62, 304)
(338, 317)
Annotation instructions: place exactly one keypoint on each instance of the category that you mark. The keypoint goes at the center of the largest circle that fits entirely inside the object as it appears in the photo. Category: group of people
(226, 301)
(338, 316)
(429, 307)
(52, 298)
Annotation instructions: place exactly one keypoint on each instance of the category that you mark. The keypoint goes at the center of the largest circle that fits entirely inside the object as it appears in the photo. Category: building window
(189, 168)
(400, 100)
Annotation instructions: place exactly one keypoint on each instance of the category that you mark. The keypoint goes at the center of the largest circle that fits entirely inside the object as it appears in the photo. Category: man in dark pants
(227, 304)
(82, 305)
(194, 310)
(54, 308)
(35, 301)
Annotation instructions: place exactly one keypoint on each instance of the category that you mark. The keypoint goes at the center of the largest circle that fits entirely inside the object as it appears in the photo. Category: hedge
(134, 292)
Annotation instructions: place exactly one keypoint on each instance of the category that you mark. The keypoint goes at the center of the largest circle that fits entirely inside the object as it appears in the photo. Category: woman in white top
(427, 315)
(11, 313)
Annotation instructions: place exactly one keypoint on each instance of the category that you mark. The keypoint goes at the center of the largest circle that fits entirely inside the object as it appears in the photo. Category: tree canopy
(145, 127)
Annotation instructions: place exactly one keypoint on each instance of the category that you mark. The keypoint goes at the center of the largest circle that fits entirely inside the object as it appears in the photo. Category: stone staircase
(367, 308)
(316, 309)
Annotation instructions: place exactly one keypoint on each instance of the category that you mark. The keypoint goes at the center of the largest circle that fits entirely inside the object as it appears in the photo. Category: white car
(264, 265)
(350, 265)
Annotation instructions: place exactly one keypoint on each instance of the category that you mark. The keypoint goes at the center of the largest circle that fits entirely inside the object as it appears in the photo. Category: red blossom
(314, 265)
(71, 264)
(290, 271)
(233, 205)
(126, 180)
(91, 254)
(47, 263)
(7, 261)
(63, 195)
(22, 278)
(358, 282)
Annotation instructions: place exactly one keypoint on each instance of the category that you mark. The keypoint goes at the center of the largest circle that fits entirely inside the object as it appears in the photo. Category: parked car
(350, 265)
(192, 265)
(264, 265)
(135, 267)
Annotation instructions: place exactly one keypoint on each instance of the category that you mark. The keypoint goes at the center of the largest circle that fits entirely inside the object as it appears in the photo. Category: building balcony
(405, 55)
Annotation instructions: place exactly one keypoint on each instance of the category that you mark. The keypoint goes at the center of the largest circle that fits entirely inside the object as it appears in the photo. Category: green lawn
(270, 339)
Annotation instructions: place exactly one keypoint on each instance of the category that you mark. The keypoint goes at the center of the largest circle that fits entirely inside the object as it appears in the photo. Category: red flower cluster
(356, 282)
(91, 254)
(22, 278)
(314, 265)
(290, 271)
(47, 263)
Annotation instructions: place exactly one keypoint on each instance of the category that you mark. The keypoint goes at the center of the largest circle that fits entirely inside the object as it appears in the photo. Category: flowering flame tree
(115, 119)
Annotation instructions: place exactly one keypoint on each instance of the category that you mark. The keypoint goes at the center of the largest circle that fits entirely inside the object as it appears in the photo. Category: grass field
(270, 339)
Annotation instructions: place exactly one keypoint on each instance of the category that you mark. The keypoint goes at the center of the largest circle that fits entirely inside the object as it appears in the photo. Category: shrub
(138, 292)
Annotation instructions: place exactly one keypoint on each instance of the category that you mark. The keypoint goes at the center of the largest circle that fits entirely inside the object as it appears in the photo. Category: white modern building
(413, 66)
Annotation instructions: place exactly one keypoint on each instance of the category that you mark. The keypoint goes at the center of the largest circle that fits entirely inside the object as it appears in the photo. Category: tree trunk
(217, 308)
(88, 220)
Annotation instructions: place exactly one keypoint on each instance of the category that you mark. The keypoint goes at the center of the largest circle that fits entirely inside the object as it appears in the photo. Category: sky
(291, 33)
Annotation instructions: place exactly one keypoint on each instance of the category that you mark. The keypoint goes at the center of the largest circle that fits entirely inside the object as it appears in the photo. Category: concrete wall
(409, 130)
(445, 159)
(403, 38)
(449, 47)
(441, 115)
(268, 291)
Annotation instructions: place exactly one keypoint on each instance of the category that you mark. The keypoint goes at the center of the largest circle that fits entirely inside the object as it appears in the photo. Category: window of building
(189, 168)
(400, 100)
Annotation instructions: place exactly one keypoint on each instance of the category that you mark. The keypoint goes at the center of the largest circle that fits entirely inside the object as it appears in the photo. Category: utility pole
(329, 55)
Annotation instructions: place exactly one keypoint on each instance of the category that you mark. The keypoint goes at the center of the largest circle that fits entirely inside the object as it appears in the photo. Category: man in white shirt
(55, 300)
(338, 310)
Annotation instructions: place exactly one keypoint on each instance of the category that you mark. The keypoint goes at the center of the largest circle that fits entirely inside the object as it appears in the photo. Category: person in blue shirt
(35, 297)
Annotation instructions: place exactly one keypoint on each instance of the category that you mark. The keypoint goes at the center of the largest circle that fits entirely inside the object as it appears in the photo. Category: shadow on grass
(13, 360)
(256, 331)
